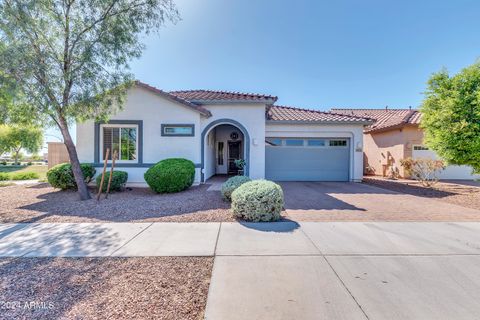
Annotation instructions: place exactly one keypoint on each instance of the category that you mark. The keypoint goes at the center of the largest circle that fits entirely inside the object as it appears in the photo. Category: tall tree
(14, 109)
(16, 138)
(451, 116)
(70, 58)
(4, 143)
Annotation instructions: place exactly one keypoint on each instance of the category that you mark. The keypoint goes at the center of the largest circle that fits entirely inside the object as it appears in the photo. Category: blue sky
(316, 54)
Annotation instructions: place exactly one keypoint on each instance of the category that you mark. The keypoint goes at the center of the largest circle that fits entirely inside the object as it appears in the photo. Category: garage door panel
(307, 163)
(307, 176)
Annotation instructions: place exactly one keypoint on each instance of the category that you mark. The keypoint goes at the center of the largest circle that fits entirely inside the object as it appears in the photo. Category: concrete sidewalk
(285, 270)
(108, 239)
(346, 271)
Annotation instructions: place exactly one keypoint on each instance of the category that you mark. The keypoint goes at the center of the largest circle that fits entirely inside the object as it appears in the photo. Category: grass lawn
(6, 184)
(40, 169)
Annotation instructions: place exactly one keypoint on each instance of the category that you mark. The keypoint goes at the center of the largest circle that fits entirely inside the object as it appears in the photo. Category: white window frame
(337, 139)
(274, 138)
(325, 143)
(165, 126)
(120, 126)
(305, 142)
(284, 142)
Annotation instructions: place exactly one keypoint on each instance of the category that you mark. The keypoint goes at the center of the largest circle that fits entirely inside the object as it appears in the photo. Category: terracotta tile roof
(203, 96)
(385, 119)
(194, 99)
(170, 96)
(284, 113)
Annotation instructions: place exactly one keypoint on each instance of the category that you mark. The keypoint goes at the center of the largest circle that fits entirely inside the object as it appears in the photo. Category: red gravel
(42, 203)
(104, 288)
(462, 193)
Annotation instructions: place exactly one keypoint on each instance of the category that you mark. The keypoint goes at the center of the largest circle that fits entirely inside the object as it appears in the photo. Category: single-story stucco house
(214, 128)
(396, 135)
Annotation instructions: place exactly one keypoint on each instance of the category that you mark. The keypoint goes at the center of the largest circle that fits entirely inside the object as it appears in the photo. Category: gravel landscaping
(462, 193)
(104, 288)
(42, 203)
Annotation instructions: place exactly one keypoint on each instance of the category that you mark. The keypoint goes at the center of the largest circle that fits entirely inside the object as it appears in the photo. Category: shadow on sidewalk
(284, 225)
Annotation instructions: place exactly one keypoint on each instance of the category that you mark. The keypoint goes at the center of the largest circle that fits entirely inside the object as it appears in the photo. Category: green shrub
(29, 163)
(24, 176)
(3, 163)
(119, 179)
(170, 175)
(231, 184)
(4, 176)
(258, 200)
(61, 176)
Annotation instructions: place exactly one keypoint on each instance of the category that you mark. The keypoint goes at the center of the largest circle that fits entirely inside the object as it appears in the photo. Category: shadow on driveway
(317, 195)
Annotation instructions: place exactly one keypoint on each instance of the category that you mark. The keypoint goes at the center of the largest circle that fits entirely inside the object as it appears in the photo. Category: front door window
(220, 153)
(233, 154)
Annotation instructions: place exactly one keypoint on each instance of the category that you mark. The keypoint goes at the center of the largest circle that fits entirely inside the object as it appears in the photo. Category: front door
(233, 154)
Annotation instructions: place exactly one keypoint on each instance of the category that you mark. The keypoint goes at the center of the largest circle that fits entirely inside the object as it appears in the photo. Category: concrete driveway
(343, 201)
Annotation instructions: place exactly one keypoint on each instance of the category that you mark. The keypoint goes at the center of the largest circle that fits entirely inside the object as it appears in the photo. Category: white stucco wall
(252, 117)
(85, 141)
(354, 132)
(153, 110)
(210, 155)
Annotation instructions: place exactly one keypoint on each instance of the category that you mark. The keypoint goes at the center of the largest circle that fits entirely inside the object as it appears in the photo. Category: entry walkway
(285, 270)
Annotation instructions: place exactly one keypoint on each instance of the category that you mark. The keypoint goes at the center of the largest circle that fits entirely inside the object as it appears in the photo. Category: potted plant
(240, 164)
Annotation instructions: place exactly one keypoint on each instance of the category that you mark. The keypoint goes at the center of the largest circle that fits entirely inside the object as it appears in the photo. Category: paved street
(286, 270)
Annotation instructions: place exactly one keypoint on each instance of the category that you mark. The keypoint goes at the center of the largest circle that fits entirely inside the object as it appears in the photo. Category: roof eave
(219, 101)
(174, 98)
(317, 122)
(394, 127)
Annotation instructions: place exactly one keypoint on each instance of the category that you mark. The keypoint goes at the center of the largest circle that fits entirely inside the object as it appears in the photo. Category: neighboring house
(214, 128)
(396, 135)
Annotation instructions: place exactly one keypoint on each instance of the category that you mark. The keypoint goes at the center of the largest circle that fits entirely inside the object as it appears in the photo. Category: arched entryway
(223, 142)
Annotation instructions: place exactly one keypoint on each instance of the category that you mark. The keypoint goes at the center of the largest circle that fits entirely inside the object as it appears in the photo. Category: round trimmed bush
(258, 200)
(119, 179)
(170, 175)
(231, 184)
(61, 176)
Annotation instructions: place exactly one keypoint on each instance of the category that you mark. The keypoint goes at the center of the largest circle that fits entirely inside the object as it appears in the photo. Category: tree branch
(104, 17)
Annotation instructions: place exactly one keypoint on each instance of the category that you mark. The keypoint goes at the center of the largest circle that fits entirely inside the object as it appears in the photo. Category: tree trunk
(15, 156)
(72, 153)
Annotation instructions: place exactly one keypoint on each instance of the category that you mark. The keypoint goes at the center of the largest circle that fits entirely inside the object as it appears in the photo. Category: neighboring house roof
(293, 114)
(178, 99)
(385, 119)
(211, 96)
